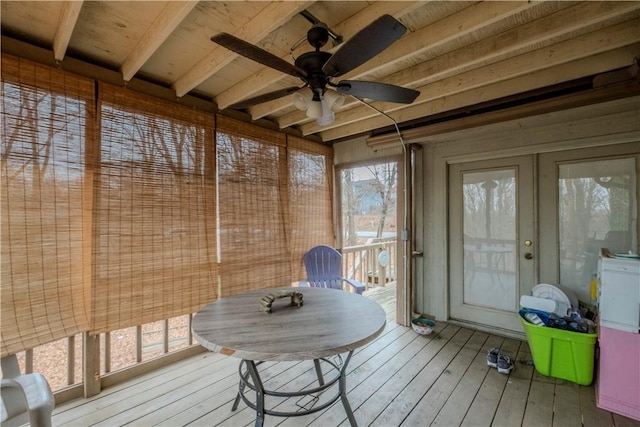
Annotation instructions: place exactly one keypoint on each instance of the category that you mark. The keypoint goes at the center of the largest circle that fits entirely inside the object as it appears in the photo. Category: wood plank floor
(399, 379)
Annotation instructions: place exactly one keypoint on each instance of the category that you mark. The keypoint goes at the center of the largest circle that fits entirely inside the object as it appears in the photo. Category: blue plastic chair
(324, 270)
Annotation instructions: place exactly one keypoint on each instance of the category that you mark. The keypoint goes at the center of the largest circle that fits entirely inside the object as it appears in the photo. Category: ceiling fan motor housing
(311, 63)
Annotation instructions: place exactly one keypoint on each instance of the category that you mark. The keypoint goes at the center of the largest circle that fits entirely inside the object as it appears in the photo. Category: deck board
(458, 403)
(410, 395)
(592, 416)
(436, 397)
(401, 378)
(539, 410)
(388, 394)
(368, 378)
(514, 399)
(566, 411)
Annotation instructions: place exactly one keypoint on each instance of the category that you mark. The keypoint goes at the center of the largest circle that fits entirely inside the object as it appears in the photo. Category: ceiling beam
(579, 68)
(609, 38)
(165, 23)
(68, 19)
(535, 34)
(272, 17)
(618, 90)
(44, 56)
(347, 28)
(419, 42)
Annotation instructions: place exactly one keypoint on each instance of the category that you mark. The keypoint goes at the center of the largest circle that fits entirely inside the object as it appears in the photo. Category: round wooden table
(330, 322)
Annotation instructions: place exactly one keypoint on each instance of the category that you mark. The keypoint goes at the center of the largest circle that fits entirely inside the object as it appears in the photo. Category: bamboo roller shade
(154, 223)
(116, 227)
(310, 199)
(46, 125)
(252, 187)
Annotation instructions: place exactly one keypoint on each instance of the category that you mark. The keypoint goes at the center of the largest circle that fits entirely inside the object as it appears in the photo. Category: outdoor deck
(399, 379)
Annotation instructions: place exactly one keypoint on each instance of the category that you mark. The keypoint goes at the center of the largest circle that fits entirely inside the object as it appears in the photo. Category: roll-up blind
(252, 191)
(155, 218)
(110, 217)
(310, 199)
(47, 118)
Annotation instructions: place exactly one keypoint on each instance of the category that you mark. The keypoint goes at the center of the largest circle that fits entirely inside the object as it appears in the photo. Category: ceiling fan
(317, 68)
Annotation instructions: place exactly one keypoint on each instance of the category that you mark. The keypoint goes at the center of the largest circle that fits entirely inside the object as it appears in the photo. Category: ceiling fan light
(315, 110)
(326, 119)
(300, 102)
(334, 100)
(328, 116)
(302, 99)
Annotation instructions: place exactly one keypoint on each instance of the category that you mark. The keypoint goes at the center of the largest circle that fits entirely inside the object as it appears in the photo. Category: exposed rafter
(68, 19)
(272, 17)
(456, 54)
(418, 42)
(568, 71)
(622, 34)
(346, 29)
(170, 17)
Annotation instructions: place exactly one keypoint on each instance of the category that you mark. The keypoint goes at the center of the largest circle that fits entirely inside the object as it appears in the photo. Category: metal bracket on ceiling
(337, 39)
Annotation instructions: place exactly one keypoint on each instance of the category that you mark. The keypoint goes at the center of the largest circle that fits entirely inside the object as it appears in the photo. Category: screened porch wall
(120, 209)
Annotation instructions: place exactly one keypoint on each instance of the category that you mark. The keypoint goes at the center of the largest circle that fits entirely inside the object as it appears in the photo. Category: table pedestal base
(250, 378)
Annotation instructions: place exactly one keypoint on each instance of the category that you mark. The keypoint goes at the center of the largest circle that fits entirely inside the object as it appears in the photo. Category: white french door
(492, 243)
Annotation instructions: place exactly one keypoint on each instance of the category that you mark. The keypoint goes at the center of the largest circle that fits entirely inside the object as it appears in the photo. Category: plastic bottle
(594, 290)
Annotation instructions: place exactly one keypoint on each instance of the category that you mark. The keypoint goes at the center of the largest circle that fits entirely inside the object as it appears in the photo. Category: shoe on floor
(505, 365)
(492, 357)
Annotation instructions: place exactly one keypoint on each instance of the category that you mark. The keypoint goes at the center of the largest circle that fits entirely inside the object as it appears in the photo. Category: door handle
(528, 255)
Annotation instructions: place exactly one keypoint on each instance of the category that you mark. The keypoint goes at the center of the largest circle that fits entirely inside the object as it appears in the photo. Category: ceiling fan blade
(265, 97)
(257, 54)
(377, 91)
(364, 45)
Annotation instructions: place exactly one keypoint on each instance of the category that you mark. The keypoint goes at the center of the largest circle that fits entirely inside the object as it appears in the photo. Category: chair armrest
(39, 398)
(357, 286)
(14, 399)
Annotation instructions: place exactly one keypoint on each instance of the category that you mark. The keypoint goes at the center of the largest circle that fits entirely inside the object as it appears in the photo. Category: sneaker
(492, 357)
(505, 365)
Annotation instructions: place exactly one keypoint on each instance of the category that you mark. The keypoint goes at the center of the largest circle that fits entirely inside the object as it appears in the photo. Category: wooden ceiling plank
(568, 23)
(346, 29)
(451, 28)
(570, 50)
(165, 23)
(272, 17)
(443, 31)
(582, 67)
(68, 19)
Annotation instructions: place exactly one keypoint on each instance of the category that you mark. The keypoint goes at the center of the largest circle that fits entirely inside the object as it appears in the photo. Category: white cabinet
(619, 294)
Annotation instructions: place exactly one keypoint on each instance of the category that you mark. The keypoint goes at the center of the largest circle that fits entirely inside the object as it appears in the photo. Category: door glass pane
(369, 226)
(369, 203)
(489, 224)
(597, 209)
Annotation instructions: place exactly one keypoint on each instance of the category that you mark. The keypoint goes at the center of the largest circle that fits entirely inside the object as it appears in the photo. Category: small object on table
(267, 301)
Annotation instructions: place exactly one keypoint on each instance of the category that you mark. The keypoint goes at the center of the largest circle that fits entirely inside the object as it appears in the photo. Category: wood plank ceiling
(456, 53)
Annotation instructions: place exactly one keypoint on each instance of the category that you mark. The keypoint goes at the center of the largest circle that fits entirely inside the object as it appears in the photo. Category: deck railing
(123, 349)
(62, 361)
(362, 262)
